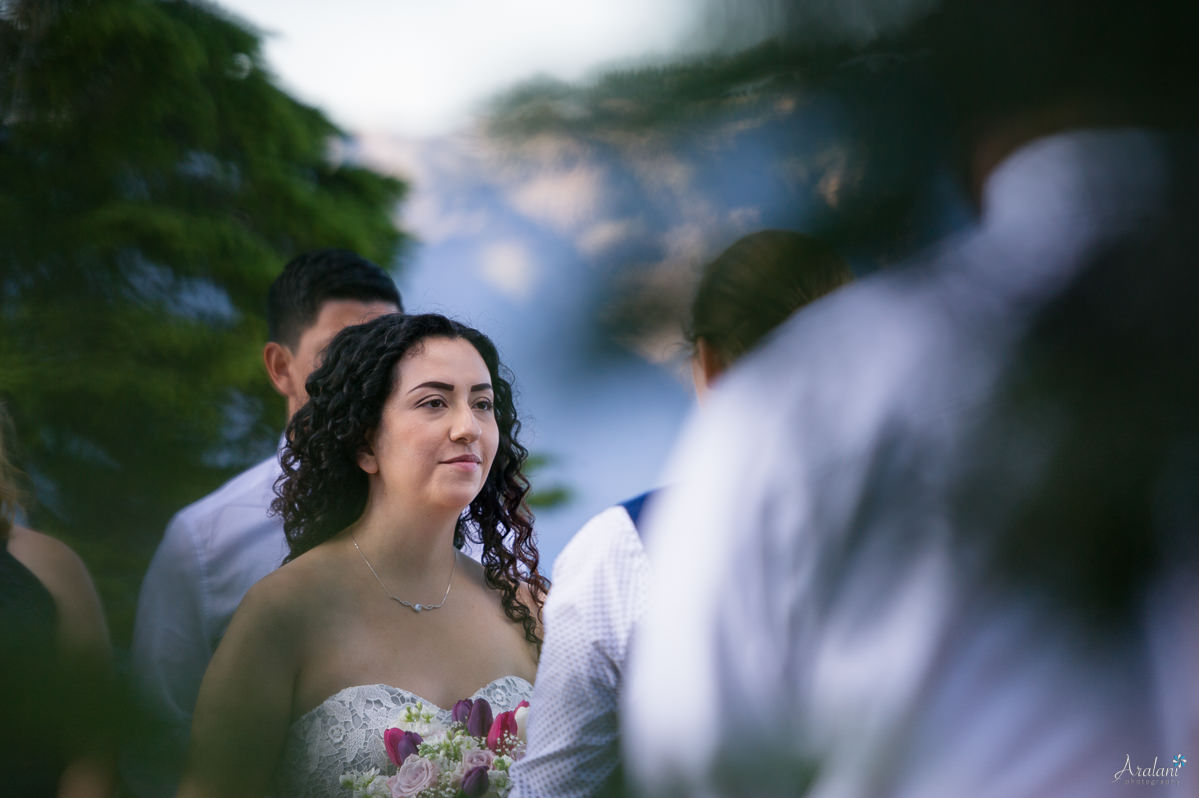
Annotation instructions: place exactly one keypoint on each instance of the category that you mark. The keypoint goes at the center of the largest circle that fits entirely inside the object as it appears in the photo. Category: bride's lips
(464, 461)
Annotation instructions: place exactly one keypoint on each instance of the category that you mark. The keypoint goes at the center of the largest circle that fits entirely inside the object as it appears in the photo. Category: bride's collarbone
(382, 629)
(355, 634)
(382, 642)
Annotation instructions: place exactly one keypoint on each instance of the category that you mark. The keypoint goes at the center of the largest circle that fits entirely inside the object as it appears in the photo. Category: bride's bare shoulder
(292, 592)
(494, 599)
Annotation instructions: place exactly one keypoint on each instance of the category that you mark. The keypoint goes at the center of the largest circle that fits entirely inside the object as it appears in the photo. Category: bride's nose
(465, 427)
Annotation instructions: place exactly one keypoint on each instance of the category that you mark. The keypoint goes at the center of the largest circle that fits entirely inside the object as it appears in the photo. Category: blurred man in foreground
(939, 537)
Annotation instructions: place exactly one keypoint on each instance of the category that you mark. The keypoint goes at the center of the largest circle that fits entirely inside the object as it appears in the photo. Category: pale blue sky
(421, 67)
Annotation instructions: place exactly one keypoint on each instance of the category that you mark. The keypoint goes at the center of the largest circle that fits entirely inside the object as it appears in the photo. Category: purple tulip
(475, 782)
(479, 722)
(461, 711)
(400, 744)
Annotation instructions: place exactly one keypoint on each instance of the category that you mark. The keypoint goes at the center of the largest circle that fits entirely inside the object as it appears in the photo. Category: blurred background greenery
(153, 180)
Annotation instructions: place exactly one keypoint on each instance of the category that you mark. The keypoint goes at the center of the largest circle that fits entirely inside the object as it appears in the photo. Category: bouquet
(469, 758)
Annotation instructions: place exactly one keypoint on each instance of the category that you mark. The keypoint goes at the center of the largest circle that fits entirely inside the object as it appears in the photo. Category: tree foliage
(153, 180)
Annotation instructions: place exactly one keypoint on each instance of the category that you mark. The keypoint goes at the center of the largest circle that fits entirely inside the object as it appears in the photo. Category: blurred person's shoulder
(608, 536)
(54, 563)
(250, 491)
(65, 577)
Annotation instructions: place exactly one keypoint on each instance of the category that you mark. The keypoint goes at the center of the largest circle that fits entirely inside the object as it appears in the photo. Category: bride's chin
(455, 504)
(457, 495)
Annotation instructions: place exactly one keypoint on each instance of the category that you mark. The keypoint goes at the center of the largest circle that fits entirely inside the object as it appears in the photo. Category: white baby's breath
(419, 718)
(366, 784)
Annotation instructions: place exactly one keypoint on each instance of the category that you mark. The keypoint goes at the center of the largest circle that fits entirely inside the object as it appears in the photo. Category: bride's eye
(436, 402)
(485, 404)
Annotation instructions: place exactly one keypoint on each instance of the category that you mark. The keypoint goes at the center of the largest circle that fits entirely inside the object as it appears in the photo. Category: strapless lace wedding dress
(346, 733)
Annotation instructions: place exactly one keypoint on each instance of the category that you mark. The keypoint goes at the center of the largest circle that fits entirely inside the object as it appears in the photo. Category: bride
(406, 448)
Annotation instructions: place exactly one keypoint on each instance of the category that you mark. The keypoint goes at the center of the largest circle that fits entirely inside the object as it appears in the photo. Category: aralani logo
(1153, 774)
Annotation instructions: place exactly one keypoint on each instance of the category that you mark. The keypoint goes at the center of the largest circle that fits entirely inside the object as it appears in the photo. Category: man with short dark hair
(215, 549)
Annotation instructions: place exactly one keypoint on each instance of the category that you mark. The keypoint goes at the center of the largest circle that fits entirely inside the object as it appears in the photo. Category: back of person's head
(754, 285)
(313, 278)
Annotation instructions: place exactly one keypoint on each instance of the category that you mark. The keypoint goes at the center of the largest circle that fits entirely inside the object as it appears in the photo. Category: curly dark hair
(323, 490)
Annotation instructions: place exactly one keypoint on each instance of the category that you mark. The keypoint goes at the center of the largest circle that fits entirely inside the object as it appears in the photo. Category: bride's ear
(366, 456)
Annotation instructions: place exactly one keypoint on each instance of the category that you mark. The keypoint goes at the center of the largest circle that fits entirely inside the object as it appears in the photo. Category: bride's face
(438, 434)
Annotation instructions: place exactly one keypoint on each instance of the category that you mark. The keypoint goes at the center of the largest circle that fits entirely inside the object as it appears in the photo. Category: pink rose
(504, 730)
(472, 758)
(416, 774)
(477, 757)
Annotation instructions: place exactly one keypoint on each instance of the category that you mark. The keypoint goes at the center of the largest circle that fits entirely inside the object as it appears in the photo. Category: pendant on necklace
(418, 607)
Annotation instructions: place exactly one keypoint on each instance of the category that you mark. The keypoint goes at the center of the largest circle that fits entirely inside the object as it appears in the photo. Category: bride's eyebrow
(445, 386)
(441, 386)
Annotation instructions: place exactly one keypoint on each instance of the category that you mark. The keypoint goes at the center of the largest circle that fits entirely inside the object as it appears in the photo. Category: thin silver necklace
(417, 607)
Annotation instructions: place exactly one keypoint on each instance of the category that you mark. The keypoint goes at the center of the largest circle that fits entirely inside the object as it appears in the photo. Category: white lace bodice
(345, 732)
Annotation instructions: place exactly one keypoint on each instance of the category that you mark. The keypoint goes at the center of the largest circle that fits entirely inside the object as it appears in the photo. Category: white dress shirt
(822, 622)
(213, 551)
(600, 584)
